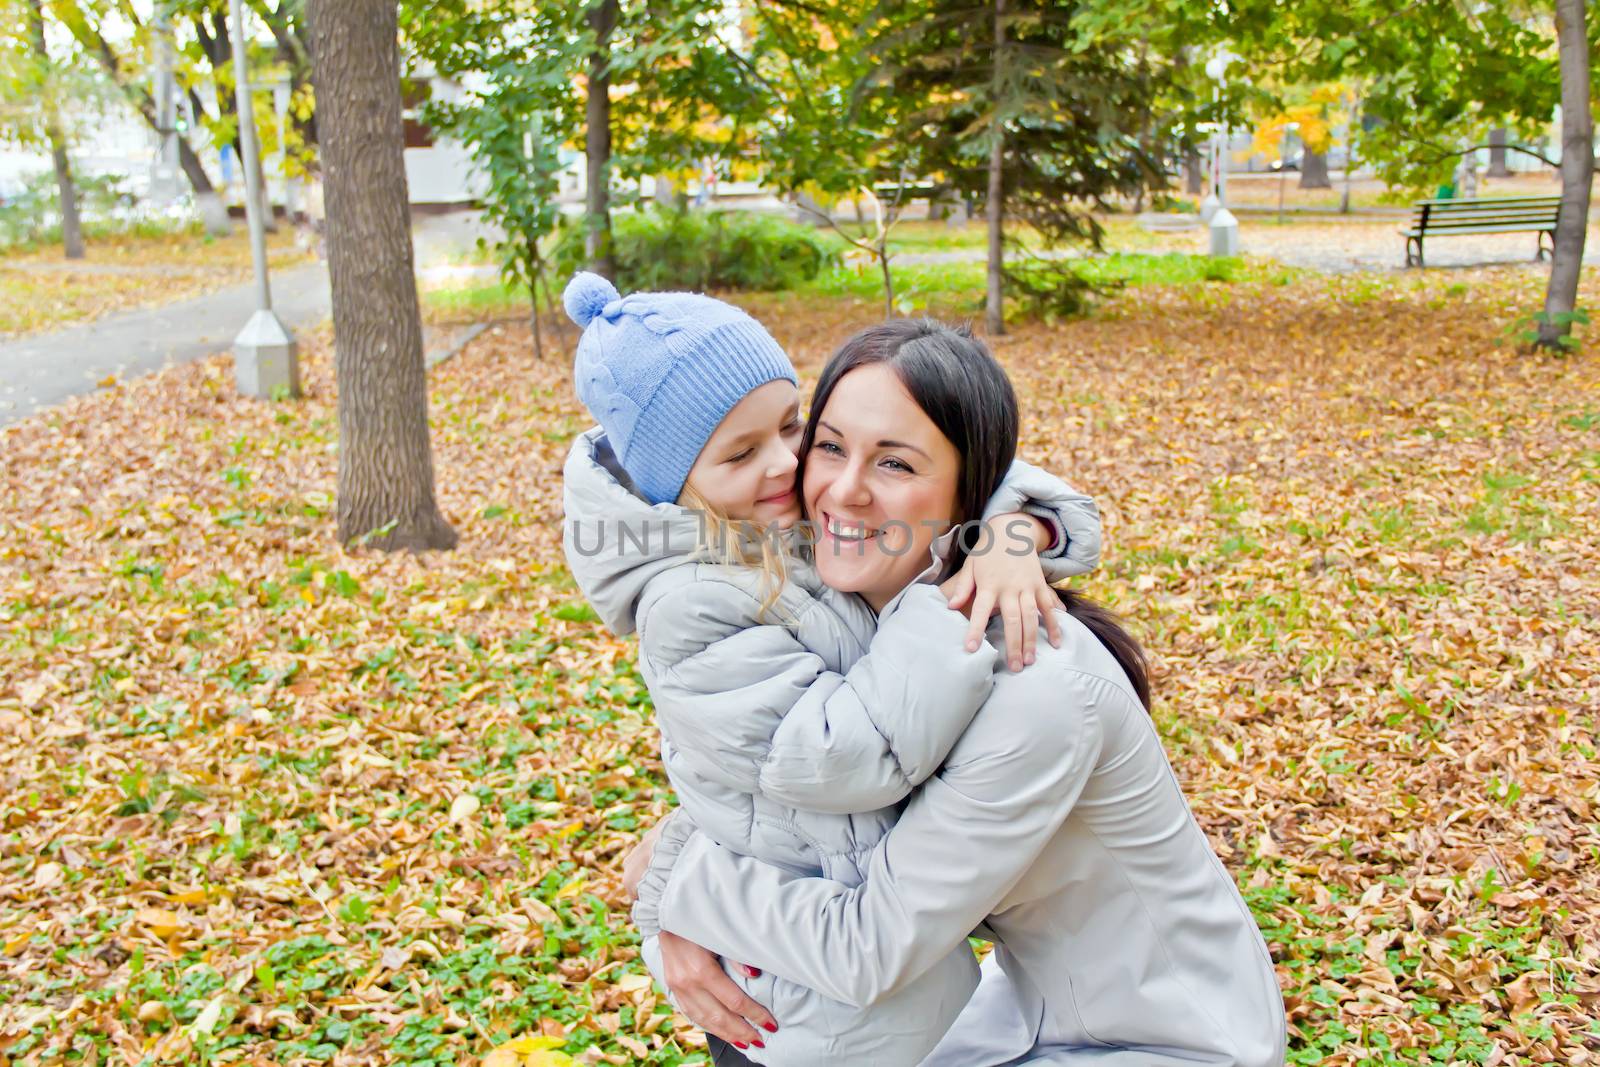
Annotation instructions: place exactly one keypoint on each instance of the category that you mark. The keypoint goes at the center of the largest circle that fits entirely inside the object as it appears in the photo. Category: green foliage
(1529, 330)
(39, 93)
(672, 90)
(1430, 84)
(121, 43)
(1054, 288)
(708, 250)
(32, 216)
(514, 125)
(956, 288)
(1075, 108)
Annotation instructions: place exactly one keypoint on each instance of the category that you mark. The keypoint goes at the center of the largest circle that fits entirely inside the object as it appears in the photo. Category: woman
(1055, 826)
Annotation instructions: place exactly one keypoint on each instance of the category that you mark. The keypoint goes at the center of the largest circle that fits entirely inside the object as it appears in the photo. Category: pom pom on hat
(586, 296)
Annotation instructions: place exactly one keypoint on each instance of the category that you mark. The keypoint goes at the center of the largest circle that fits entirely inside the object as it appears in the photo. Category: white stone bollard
(1224, 233)
(1209, 207)
(265, 358)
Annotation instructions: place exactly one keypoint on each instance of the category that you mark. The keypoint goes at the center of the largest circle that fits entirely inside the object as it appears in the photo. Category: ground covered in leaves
(42, 290)
(267, 802)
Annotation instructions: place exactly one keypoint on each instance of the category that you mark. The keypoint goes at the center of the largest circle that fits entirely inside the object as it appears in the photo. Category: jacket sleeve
(1072, 515)
(676, 830)
(757, 711)
(965, 839)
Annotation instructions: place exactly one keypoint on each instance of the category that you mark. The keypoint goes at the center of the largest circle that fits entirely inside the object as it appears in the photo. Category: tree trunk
(1577, 172)
(597, 142)
(882, 252)
(1350, 129)
(1314, 170)
(67, 193)
(385, 459)
(193, 169)
(535, 269)
(207, 201)
(1497, 154)
(1193, 179)
(994, 306)
(66, 188)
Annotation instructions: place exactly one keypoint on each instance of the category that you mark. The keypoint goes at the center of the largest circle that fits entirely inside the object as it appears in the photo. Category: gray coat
(1056, 828)
(792, 734)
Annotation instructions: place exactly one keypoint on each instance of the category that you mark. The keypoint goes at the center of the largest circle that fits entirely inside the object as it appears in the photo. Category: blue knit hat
(659, 371)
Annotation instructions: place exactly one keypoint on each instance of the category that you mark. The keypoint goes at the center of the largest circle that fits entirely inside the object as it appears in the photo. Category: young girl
(745, 650)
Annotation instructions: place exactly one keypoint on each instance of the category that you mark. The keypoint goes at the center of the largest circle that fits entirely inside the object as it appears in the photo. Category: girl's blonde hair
(741, 543)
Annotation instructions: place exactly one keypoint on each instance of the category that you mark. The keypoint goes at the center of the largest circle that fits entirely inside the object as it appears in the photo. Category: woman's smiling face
(880, 484)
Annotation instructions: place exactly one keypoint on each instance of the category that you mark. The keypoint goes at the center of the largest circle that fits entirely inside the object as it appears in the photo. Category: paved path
(45, 369)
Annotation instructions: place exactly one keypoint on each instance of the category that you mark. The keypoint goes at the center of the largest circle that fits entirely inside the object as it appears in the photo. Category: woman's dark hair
(962, 388)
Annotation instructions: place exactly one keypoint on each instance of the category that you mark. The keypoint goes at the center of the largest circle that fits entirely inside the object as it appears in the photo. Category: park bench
(1511, 214)
(895, 192)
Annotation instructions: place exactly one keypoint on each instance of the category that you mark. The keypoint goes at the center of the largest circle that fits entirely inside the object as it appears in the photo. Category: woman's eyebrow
(885, 443)
(903, 444)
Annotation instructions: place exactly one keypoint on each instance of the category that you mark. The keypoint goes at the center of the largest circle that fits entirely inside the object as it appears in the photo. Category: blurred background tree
(47, 96)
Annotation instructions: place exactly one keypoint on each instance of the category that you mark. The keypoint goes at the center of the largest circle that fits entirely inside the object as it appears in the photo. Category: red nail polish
(740, 1044)
(757, 1043)
(770, 1028)
(755, 972)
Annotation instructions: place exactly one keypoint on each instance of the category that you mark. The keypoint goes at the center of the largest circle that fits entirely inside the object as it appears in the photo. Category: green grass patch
(960, 286)
(478, 300)
(1506, 506)
(1138, 269)
(925, 236)
(916, 285)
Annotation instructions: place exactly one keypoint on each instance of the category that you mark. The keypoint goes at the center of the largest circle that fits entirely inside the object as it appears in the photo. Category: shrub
(699, 250)
(30, 215)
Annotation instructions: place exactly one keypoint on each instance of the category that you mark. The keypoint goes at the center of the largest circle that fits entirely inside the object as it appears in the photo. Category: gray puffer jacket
(791, 734)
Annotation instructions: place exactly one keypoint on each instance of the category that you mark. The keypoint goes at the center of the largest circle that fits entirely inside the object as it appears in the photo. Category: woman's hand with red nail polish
(710, 999)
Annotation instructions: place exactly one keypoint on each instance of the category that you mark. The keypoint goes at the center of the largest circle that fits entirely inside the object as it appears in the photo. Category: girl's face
(746, 470)
(880, 485)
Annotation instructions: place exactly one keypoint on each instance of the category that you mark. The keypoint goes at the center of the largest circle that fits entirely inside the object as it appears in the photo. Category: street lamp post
(1283, 164)
(1210, 204)
(164, 169)
(265, 356)
(1223, 225)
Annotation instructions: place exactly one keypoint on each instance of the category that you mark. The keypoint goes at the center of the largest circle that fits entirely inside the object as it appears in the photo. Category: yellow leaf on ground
(159, 921)
(207, 1020)
(464, 807)
(529, 1051)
